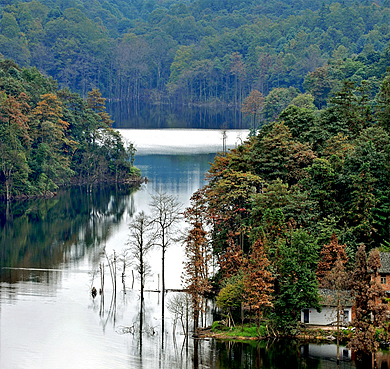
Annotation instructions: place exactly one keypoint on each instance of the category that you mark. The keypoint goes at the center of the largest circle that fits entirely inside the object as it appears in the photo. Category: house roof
(329, 297)
(385, 261)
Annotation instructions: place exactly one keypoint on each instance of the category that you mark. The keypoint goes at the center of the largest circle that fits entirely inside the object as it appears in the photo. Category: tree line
(51, 138)
(193, 52)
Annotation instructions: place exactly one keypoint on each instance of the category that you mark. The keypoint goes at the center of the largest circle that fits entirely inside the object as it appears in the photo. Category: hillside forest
(303, 203)
(196, 51)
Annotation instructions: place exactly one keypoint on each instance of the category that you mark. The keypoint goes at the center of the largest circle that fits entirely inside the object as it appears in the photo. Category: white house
(328, 314)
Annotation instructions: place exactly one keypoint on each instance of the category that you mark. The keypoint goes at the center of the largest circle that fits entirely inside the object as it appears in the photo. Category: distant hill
(205, 51)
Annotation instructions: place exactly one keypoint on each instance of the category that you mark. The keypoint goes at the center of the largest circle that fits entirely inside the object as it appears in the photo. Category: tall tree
(198, 255)
(383, 100)
(258, 281)
(166, 214)
(297, 285)
(141, 241)
(329, 254)
(337, 279)
(370, 309)
(252, 105)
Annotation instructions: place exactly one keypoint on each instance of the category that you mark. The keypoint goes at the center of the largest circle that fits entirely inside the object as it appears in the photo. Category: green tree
(297, 285)
(383, 103)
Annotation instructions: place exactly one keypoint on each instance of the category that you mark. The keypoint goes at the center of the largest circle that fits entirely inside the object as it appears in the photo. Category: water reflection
(126, 115)
(55, 233)
(49, 249)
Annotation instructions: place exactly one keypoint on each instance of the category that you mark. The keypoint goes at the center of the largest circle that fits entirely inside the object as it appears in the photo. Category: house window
(383, 279)
(346, 316)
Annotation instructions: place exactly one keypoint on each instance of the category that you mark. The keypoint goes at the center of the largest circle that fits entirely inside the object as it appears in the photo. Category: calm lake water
(50, 249)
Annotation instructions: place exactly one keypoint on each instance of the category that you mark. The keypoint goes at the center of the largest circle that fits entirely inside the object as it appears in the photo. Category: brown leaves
(371, 312)
(258, 280)
(328, 257)
(231, 260)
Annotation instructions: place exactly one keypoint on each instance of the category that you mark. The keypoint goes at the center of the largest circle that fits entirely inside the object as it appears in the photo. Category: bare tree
(141, 240)
(125, 261)
(179, 306)
(166, 213)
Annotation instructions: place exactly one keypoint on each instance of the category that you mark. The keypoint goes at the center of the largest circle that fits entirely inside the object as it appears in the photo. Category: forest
(193, 51)
(303, 204)
(51, 138)
(305, 198)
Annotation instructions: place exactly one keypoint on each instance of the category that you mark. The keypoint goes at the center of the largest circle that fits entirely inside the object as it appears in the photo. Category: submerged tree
(179, 306)
(166, 213)
(141, 241)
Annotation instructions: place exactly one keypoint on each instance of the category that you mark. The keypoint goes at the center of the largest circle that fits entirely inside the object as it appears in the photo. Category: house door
(306, 315)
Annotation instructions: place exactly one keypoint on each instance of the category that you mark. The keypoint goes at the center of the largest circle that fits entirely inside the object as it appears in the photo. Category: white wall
(325, 317)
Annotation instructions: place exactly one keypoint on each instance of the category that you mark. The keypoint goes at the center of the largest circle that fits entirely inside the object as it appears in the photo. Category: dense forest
(194, 51)
(50, 137)
(304, 199)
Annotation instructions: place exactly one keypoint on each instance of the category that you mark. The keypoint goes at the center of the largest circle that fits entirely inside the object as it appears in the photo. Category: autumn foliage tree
(230, 261)
(198, 255)
(252, 105)
(258, 281)
(370, 309)
(329, 254)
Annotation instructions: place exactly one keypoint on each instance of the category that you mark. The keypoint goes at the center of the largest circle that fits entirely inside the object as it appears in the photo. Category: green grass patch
(249, 330)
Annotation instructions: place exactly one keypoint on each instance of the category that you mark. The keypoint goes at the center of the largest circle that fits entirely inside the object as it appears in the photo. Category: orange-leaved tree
(258, 281)
(198, 255)
(328, 257)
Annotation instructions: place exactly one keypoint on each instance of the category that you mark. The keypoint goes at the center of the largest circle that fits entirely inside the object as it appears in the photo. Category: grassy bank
(249, 332)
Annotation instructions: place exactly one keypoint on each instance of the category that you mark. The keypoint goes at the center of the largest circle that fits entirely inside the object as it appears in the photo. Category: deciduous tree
(370, 309)
(329, 255)
(198, 255)
(166, 214)
(258, 281)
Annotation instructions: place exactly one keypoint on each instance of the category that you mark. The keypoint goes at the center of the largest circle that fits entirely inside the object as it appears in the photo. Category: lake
(50, 251)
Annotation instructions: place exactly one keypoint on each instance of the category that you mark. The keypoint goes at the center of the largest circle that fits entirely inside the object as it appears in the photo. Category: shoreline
(50, 194)
(322, 334)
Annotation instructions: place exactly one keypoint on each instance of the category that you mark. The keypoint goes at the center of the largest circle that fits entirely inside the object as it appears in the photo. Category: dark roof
(329, 297)
(385, 261)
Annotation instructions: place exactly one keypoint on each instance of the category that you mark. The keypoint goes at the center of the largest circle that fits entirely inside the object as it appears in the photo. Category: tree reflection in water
(46, 233)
